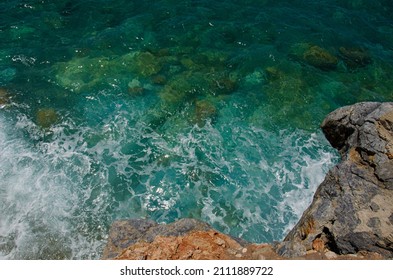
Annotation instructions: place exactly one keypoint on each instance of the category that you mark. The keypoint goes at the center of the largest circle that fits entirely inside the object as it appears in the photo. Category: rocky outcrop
(351, 216)
(190, 239)
(125, 233)
(185, 239)
(352, 209)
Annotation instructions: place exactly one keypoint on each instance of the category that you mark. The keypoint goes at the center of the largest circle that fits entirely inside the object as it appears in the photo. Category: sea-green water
(172, 109)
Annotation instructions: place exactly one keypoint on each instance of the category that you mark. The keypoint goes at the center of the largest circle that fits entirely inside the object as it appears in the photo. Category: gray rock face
(352, 209)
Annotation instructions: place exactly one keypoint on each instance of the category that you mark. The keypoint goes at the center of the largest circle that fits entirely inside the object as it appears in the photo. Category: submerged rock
(146, 64)
(204, 110)
(224, 85)
(3, 97)
(314, 55)
(320, 58)
(352, 209)
(46, 117)
(184, 239)
(135, 88)
(355, 57)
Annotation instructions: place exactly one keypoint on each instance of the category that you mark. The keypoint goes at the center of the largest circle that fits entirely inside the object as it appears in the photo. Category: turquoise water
(172, 109)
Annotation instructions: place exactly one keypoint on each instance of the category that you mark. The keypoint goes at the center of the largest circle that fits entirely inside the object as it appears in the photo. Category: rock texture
(125, 233)
(351, 216)
(352, 209)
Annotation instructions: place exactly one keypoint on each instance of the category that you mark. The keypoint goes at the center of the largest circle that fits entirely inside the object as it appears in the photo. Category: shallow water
(172, 109)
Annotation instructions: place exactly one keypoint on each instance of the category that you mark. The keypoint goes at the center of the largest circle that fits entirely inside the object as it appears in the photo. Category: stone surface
(196, 245)
(124, 233)
(352, 209)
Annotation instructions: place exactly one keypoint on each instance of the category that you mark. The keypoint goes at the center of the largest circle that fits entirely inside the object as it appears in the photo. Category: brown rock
(204, 110)
(197, 245)
(318, 245)
(3, 96)
(224, 85)
(46, 117)
(320, 58)
(355, 57)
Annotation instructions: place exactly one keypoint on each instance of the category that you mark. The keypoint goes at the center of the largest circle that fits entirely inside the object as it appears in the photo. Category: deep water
(173, 109)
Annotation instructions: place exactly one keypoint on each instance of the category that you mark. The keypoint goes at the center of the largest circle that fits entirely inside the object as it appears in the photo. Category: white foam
(40, 195)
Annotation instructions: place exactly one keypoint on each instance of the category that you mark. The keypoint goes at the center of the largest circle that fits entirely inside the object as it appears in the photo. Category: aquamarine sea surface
(169, 109)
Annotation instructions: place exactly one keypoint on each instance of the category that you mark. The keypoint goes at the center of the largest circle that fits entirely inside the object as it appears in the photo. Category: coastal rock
(190, 239)
(184, 239)
(204, 110)
(3, 97)
(124, 233)
(352, 209)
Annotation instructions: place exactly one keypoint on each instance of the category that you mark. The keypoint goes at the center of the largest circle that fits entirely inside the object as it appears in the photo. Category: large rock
(185, 239)
(352, 210)
(124, 233)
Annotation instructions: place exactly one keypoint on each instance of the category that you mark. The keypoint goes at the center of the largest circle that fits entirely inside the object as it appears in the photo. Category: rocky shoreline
(350, 217)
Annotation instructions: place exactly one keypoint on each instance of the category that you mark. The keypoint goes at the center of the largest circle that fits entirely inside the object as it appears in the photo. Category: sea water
(172, 109)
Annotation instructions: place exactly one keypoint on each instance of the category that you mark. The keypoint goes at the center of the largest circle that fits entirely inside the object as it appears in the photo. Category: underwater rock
(3, 97)
(223, 85)
(135, 87)
(273, 74)
(46, 117)
(204, 110)
(320, 58)
(181, 88)
(314, 55)
(352, 209)
(84, 73)
(287, 93)
(146, 64)
(355, 57)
